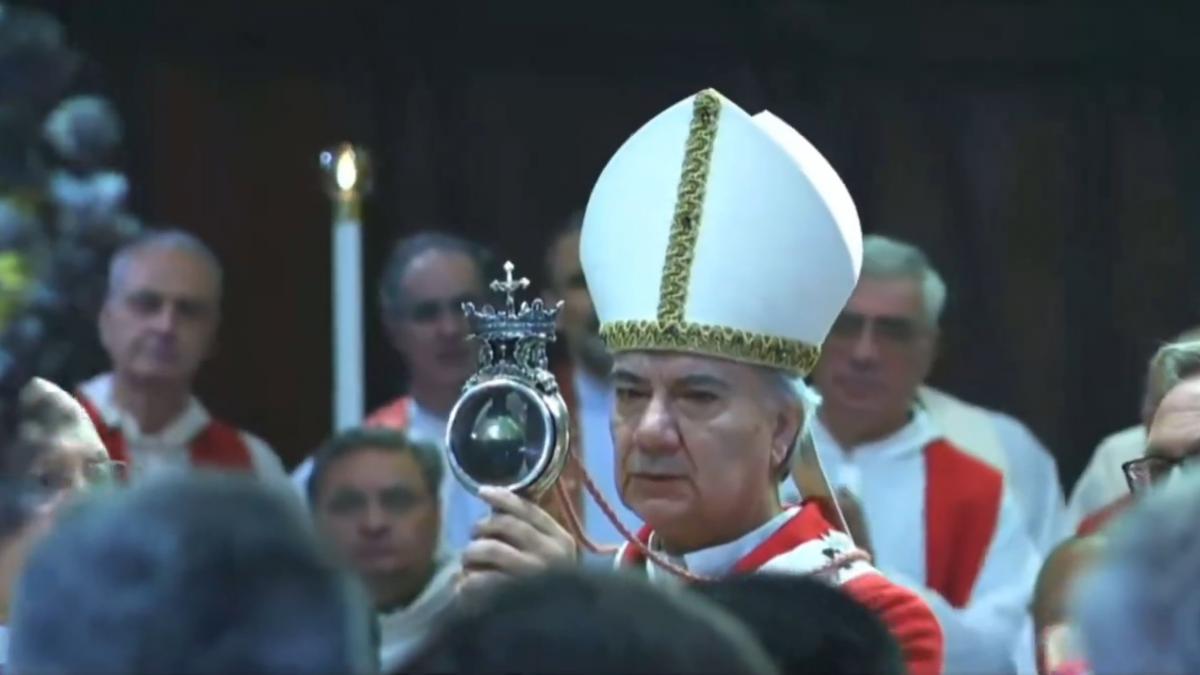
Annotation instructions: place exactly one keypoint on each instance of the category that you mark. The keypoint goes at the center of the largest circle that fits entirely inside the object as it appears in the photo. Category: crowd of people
(751, 321)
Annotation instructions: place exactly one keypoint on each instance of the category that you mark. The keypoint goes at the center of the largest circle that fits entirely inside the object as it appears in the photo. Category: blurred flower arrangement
(62, 206)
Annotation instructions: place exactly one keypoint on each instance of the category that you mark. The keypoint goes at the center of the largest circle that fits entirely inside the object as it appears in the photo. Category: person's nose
(166, 319)
(374, 521)
(657, 430)
(451, 323)
(866, 348)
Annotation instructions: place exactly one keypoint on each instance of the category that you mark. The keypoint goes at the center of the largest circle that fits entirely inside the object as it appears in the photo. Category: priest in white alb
(938, 518)
(717, 259)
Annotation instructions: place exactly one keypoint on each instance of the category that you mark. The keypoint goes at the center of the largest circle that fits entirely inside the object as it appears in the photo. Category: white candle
(344, 169)
(347, 324)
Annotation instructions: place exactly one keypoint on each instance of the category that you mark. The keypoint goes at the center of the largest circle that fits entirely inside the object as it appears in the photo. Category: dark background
(1045, 154)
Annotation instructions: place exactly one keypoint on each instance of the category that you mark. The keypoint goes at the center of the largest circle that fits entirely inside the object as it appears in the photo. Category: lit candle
(346, 170)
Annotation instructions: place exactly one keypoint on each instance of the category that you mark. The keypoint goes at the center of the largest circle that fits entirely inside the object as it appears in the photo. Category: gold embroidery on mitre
(671, 331)
(765, 350)
(689, 206)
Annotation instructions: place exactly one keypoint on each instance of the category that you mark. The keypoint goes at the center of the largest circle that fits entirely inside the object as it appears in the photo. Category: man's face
(70, 463)
(699, 442)
(578, 319)
(878, 352)
(160, 322)
(67, 469)
(376, 508)
(430, 331)
(71, 458)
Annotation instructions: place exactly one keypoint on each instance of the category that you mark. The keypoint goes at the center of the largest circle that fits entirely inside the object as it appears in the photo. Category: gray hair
(1172, 363)
(789, 391)
(885, 259)
(391, 291)
(1139, 609)
(196, 573)
(161, 240)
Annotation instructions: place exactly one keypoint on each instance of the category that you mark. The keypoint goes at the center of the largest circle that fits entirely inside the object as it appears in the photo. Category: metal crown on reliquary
(512, 340)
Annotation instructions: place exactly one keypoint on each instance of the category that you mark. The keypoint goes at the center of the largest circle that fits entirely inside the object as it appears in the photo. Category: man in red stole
(158, 324)
(941, 520)
(717, 259)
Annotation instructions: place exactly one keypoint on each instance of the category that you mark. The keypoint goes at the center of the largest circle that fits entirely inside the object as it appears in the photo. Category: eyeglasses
(427, 311)
(895, 329)
(1144, 472)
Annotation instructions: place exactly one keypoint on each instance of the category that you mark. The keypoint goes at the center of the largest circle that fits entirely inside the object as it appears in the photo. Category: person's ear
(789, 420)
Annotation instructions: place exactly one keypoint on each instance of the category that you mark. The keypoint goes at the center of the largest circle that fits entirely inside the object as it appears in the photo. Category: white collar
(180, 431)
(432, 599)
(718, 561)
(909, 439)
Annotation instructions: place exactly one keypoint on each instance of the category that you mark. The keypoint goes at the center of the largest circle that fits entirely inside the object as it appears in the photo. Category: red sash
(909, 618)
(394, 415)
(805, 526)
(1099, 520)
(218, 445)
(962, 507)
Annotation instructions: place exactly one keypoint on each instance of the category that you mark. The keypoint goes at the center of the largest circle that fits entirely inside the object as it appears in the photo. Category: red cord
(576, 525)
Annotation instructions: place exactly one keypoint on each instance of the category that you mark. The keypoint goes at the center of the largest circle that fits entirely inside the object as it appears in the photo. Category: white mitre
(714, 233)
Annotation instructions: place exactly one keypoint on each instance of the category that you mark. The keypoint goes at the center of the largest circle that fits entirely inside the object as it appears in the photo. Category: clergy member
(374, 495)
(998, 439)
(158, 324)
(1173, 393)
(1136, 611)
(1173, 437)
(941, 520)
(1102, 482)
(427, 277)
(1006, 444)
(717, 259)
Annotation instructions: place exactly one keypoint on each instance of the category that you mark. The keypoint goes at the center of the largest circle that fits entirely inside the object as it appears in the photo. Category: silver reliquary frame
(509, 427)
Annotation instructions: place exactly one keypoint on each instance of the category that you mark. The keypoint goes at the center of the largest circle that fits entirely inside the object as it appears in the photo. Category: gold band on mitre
(670, 331)
(792, 356)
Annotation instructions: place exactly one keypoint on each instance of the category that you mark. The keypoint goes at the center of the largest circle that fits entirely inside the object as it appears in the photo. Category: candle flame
(346, 171)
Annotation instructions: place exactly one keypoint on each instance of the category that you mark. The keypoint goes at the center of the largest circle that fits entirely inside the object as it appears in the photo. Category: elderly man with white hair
(937, 516)
(993, 436)
(159, 324)
(718, 249)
